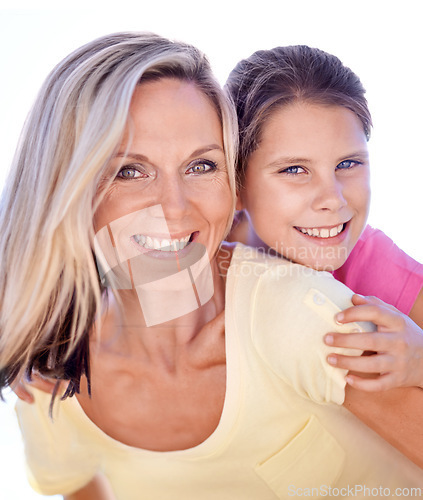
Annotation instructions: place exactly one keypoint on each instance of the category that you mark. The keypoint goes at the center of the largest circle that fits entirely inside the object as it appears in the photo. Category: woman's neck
(124, 328)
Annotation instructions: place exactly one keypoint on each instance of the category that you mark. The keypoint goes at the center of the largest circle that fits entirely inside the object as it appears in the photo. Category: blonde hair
(49, 285)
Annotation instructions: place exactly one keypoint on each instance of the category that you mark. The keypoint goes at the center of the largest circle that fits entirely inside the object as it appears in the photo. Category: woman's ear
(239, 204)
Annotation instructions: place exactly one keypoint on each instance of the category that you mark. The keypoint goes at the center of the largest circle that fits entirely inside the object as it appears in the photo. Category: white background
(382, 41)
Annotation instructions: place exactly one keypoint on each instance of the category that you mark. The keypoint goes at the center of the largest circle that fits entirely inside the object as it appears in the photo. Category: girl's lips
(325, 236)
(322, 232)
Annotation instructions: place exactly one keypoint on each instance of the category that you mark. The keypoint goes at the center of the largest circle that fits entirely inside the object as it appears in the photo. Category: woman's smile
(162, 244)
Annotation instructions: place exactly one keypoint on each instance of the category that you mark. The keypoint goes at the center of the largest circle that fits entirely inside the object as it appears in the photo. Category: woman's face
(306, 187)
(172, 186)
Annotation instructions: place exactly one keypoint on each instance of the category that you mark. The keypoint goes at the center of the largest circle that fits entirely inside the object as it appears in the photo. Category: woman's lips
(158, 247)
(164, 245)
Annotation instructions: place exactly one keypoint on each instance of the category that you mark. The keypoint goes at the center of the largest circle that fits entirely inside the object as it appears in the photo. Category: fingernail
(332, 360)
(329, 339)
(339, 317)
(349, 380)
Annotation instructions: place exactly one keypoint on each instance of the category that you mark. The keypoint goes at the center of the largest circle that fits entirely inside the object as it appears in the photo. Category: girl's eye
(294, 170)
(346, 164)
(202, 167)
(130, 173)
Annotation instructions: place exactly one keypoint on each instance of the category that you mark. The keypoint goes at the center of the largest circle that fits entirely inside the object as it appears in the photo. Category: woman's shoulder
(269, 266)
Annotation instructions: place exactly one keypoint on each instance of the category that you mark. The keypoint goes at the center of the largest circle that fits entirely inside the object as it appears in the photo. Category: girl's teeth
(322, 233)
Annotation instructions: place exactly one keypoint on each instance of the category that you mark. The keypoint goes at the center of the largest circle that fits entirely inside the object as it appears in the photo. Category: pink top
(376, 266)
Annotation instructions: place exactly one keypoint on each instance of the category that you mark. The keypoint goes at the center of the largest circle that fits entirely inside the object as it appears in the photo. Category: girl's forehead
(306, 115)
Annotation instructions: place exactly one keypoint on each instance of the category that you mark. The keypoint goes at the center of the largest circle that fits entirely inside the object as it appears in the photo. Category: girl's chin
(320, 259)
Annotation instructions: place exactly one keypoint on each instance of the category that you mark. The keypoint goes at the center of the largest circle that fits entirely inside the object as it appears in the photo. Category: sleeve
(376, 266)
(293, 308)
(57, 459)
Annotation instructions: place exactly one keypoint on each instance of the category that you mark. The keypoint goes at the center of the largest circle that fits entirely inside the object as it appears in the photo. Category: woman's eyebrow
(143, 158)
(128, 154)
(206, 149)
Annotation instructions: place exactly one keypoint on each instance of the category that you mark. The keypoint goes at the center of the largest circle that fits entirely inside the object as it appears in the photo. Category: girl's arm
(416, 313)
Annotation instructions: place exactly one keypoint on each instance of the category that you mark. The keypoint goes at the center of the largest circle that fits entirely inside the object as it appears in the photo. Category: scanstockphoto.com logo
(356, 490)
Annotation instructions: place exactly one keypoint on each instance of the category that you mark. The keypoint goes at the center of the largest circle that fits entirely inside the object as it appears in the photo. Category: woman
(304, 126)
(130, 144)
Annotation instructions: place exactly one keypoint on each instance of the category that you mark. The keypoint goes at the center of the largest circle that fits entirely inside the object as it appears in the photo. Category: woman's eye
(202, 167)
(129, 173)
(292, 170)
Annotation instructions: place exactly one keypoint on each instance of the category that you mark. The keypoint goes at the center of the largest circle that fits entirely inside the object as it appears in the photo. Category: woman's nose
(174, 198)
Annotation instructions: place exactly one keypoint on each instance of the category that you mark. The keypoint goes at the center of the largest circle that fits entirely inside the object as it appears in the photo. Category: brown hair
(269, 79)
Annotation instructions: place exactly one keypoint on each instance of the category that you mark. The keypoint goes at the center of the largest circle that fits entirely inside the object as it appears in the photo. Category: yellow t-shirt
(282, 432)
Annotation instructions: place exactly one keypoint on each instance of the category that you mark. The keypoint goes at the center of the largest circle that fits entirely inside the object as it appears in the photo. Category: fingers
(21, 387)
(43, 383)
(385, 317)
(370, 299)
(20, 390)
(359, 299)
(379, 383)
(375, 373)
(377, 364)
(368, 341)
(397, 347)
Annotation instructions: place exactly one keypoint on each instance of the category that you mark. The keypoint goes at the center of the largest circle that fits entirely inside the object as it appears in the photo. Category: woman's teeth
(322, 233)
(163, 245)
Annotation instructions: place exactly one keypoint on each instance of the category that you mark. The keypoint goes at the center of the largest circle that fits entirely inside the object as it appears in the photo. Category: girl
(303, 174)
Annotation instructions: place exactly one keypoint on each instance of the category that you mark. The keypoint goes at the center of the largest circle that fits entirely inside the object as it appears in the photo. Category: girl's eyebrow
(356, 154)
(284, 160)
(143, 158)
(359, 155)
(294, 160)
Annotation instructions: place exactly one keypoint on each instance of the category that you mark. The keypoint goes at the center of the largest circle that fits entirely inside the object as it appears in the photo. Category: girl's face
(306, 187)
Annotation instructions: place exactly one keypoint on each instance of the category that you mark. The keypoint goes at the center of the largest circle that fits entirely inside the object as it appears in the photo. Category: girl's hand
(396, 348)
(21, 386)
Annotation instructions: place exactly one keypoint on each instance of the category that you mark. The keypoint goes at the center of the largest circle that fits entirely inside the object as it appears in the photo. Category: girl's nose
(329, 195)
